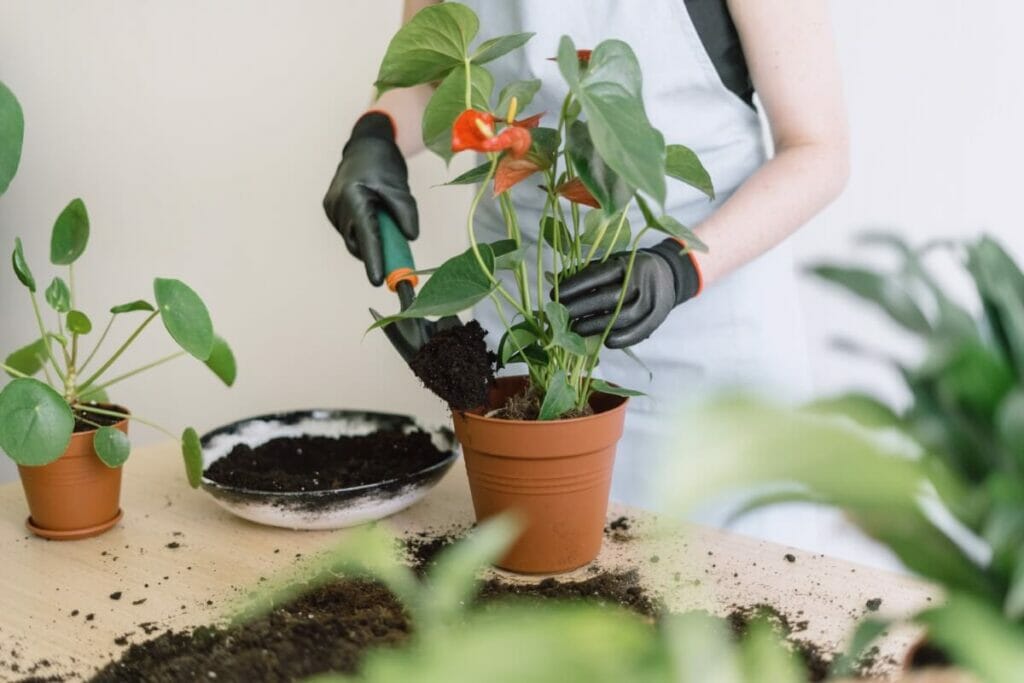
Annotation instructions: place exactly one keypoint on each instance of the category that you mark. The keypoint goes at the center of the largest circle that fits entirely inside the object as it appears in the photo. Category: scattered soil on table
(329, 629)
(816, 658)
(873, 604)
(620, 589)
(456, 365)
(618, 530)
(423, 548)
(318, 463)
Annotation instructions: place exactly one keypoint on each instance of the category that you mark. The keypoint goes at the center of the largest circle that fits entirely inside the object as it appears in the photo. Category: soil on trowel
(319, 463)
(329, 629)
(456, 365)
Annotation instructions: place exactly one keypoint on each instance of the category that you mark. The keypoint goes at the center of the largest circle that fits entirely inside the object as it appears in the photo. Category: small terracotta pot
(76, 496)
(555, 474)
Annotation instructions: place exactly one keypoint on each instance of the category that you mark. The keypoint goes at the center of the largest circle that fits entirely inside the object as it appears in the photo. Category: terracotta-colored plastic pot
(555, 475)
(76, 496)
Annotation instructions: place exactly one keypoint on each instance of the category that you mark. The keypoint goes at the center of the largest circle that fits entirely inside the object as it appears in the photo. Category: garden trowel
(407, 335)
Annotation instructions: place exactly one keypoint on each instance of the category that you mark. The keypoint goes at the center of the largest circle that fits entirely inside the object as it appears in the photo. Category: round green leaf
(35, 422)
(29, 359)
(79, 322)
(58, 296)
(70, 234)
(192, 451)
(137, 305)
(185, 316)
(21, 268)
(12, 133)
(222, 361)
(111, 445)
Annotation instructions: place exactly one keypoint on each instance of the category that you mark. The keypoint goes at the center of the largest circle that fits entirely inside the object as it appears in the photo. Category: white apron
(745, 330)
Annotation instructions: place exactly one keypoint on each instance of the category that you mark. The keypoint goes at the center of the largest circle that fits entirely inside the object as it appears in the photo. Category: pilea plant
(38, 418)
(600, 153)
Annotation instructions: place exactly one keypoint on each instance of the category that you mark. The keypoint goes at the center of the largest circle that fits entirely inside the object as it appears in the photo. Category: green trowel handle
(398, 263)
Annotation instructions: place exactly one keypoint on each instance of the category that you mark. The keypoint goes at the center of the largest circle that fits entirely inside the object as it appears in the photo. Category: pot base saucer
(74, 534)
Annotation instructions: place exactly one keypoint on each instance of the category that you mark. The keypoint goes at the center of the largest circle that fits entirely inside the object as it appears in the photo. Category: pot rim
(468, 414)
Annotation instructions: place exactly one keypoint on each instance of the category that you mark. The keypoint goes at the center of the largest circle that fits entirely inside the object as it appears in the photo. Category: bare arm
(792, 61)
(406, 105)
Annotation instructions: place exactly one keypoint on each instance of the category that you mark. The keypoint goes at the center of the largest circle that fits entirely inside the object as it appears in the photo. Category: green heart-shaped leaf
(615, 237)
(21, 268)
(112, 446)
(457, 285)
(606, 388)
(561, 335)
(79, 322)
(192, 452)
(683, 164)
(559, 397)
(507, 256)
(448, 101)
(35, 422)
(608, 188)
(185, 316)
(556, 234)
(12, 133)
(222, 361)
(137, 305)
(59, 296)
(490, 50)
(523, 91)
(29, 359)
(432, 43)
(610, 94)
(473, 175)
(514, 342)
(70, 234)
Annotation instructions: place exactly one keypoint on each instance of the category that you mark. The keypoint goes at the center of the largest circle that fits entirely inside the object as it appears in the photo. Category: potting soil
(456, 365)
(318, 463)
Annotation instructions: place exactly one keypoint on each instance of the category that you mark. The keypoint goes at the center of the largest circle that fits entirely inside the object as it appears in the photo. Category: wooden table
(177, 559)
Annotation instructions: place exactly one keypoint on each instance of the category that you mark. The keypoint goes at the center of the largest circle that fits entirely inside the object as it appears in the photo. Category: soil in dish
(456, 365)
(318, 463)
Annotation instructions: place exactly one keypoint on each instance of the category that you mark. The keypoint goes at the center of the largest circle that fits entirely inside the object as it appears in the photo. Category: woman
(703, 61)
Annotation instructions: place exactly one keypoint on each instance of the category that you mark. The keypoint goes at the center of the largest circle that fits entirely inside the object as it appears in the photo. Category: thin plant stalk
(120, 350)
(124, 416)
(106, 331)
(45, 338)
(12, 371)
(132, 373)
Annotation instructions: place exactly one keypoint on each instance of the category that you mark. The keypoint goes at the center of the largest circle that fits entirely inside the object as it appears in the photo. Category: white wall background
(202, 136)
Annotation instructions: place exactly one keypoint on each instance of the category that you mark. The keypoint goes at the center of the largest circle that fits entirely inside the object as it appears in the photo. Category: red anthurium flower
(582, 55)
(528, 122)
(475, 130)
(575, 191)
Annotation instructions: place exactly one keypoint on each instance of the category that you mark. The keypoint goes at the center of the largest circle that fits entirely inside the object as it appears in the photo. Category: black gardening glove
(662, 279)
(371, 177)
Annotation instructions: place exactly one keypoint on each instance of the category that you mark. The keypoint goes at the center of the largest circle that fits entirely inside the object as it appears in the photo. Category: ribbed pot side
(556, 475)
(76, 496)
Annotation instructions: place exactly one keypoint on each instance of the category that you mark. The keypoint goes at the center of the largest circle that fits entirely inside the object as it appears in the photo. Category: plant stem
(16, 373)
(476, 248)
(124, 416)
(469, 83)
(522, 352)
(46, 340)
(615, 314)
(615, 235)
(120, 350)
(106, 330)
(71, 282)
(136, 371)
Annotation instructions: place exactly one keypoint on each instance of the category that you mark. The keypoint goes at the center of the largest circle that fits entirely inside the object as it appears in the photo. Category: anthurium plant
(591, 161)
(37, 417)
(943, 485)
